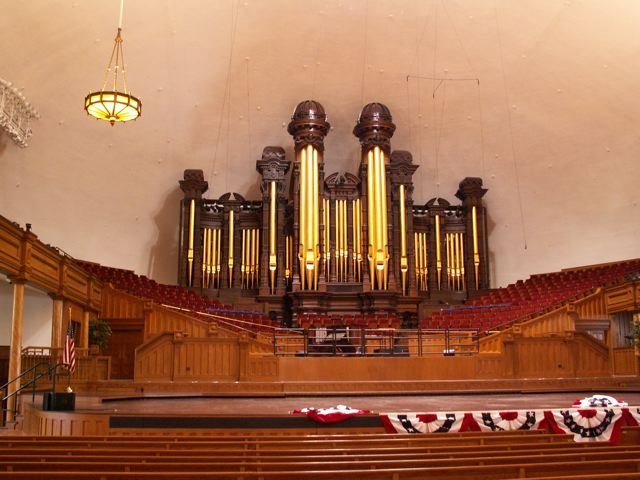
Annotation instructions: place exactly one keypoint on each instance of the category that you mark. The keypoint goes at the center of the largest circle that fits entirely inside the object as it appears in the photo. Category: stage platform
(191, 414)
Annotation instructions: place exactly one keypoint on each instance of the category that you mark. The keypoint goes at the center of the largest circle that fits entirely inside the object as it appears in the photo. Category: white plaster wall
(552, 126)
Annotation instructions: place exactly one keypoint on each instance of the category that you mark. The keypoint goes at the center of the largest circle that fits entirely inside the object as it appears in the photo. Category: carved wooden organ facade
(335, 243)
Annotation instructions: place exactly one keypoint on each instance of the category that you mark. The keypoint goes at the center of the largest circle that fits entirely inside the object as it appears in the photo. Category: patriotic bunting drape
(586, 425)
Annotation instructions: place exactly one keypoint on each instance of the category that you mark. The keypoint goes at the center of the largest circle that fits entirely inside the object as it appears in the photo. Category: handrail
(31, 383)
(362, 341)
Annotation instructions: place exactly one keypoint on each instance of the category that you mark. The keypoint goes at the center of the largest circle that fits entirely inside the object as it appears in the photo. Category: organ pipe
(354, 239)
(404, 265)
(438, 253)
(327, 238)
(273, 263)
(377, 214)
(309, 249)
(421, 260)
(243, 261)
(476, 253)
(287, 258)
(206, 257)
(192, 215)
(230, 261)
(455, 260)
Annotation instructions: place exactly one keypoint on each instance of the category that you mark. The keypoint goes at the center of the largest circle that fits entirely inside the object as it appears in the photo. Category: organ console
(343, 243)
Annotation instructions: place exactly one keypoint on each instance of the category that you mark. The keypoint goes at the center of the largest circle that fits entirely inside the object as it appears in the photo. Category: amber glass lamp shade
(113, 106)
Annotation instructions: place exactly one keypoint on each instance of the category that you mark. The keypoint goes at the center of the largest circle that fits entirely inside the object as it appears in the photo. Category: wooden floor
(397, 403)
(200, 414)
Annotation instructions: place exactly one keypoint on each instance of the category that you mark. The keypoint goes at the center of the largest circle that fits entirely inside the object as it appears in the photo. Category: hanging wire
(418, 63)
(364, 50)
(227, 94)
(438, 140)
(468, 59)
(249, 143)
(514, 155)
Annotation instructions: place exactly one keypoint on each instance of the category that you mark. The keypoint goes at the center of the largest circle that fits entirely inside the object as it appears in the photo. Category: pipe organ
(344, 243)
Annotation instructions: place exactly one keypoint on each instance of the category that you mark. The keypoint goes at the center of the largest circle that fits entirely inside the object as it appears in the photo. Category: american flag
(69, 353)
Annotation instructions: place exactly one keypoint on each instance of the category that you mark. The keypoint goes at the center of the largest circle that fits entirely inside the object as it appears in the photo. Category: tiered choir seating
(179, 297)
(502, 306)
(472, 455)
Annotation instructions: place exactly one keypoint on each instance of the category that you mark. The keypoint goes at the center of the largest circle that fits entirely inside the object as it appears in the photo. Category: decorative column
(190, 241)
(401, 170)
(56, 321)
(273, 167)
(15, 349)
(308, 127)
(470, 191)
(375, 129)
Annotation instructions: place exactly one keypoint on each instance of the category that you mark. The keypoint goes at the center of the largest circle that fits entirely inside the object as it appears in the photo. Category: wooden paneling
(24, 256)
(623, 297)
(624, 361)
(39, 422)
(127, 334)
(117, 304)
(10, 246)
(176, 357)
(161, 319)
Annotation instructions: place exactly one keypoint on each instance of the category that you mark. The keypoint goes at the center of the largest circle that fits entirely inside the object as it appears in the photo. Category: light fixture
(114, 105)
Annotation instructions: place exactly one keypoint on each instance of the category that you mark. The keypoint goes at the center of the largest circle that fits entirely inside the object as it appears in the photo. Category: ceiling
(537, 97)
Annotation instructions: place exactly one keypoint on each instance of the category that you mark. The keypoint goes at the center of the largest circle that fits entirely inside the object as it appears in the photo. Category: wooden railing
(24, 257)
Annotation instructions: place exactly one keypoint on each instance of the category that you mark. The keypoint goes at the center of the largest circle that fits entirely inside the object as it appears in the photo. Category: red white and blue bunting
(586, 425)
(593, 419)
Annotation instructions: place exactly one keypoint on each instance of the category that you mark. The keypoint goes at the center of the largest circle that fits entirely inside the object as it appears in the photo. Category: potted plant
(99, 333)
(635, 333)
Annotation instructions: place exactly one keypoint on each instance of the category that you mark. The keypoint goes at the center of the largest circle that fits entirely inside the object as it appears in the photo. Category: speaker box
(58, 401)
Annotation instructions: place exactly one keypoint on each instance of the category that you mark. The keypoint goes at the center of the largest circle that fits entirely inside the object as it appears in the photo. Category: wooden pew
(581, 470)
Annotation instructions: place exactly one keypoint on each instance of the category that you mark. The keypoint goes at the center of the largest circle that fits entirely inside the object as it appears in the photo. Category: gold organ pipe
(378, 215)
(462, 260)
(287, 257)
(309, 226)
(383, 202)
(371, 217)
(309, 250)
(345, 241)
(243, 262)
(212, 258)
(476, 253)
(191, 233)
(206, 257)
(448, 247)
(230, 261)
(404, 265)
(302, 229)
(254, 263)
(343, 229)
(457, 245)
(246, 237)
(354, 236)
(327, 238)
(218, 255)
(316, 218)
(425, 261)
(338, 241)
(438, 253)
(416, 251)
(273, 257)
(359, 238)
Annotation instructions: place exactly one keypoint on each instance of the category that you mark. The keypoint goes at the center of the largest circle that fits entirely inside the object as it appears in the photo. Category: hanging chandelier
(114, 105)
